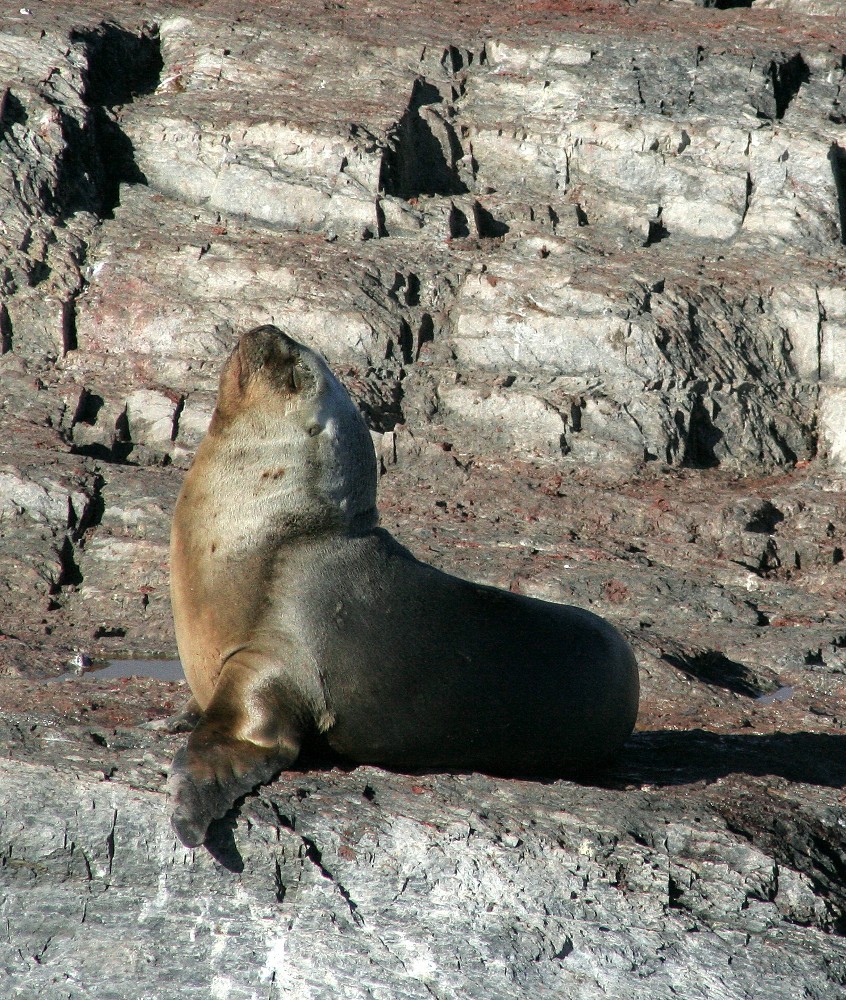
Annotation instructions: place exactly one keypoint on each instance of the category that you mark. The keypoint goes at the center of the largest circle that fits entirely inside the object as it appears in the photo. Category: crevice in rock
(787, 78)
(778, 84)
(636, 71)
(459, 227)
(715, 668)
(452, 59)
(698, 58)
(674, 894)
(70, 575)
(763, 519)
(407, 287)
(110, 841)
(724, 4)
(12, 111)
(314, 855)
(425, 333)
(177, 415)
(5, 330)
(655, 230)
(487, 226)
(280, 889)
(702, 436)
(837, 159)
(405, 343)
(117, 159)
(91, 405)
(820, 331)
(808, 845)
(96, 507)
(747, 201)
(69, 341)
(412, 290)
(381, 224)
(79, 186)
(121, 65)
(98, 155)
(101, 431)
(418, 161)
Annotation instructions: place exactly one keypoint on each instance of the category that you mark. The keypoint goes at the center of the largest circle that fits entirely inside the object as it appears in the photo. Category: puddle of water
(783, 694)
(107, 670)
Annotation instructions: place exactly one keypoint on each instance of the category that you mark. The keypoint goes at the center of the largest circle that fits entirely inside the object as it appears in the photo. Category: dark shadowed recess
(785, 77)
(788, 77)
(702, 437)
(669, 758)
(121, 67)
(837, 159)
(715, 668)
(724, 4)
(415, 163)
(12, 112)
(764, 518)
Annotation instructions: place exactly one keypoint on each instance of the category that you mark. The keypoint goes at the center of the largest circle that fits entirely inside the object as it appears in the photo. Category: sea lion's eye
(314, 430)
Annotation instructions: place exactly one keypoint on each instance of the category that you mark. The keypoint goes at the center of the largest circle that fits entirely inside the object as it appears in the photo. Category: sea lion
(295, 613)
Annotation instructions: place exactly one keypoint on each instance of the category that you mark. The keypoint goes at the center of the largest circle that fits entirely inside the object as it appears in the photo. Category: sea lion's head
(292, 438)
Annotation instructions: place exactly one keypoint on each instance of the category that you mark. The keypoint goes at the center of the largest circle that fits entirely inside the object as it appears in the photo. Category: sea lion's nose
(268, 344)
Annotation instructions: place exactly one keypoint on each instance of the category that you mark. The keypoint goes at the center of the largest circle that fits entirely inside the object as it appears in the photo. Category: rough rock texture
(370, 884)
(582, 266)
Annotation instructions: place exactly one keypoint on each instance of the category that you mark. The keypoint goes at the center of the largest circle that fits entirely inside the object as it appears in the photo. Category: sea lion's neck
(243, 497)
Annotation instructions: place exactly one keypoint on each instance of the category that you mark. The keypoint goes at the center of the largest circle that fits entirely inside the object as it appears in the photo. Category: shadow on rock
(677, 758)
(220, 841)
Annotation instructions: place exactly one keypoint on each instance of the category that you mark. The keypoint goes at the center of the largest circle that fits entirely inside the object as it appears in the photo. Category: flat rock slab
(372, 884)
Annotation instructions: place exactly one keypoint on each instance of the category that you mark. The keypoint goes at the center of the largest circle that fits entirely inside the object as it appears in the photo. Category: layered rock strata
(582, 267)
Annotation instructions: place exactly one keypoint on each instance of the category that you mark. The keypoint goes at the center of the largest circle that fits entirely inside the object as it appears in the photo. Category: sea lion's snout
(270, 341)
(267, 349)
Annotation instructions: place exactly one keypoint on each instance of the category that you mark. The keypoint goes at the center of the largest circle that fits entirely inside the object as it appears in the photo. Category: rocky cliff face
(582, 267)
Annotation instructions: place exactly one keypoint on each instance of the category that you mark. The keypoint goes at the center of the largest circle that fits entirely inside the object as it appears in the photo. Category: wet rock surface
(583, 271)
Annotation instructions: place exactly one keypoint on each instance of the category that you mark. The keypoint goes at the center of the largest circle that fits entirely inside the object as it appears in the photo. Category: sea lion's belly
(423, 669)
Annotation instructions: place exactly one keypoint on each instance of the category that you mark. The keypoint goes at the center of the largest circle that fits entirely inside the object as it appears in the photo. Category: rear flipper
(246, 736)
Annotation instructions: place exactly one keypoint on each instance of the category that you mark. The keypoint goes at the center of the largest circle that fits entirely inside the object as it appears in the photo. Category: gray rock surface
(370, 884)
(582, 267)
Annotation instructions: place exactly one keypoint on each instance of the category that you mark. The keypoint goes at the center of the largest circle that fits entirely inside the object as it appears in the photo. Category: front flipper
(182, 721)
(204, 783)
(249, 732)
